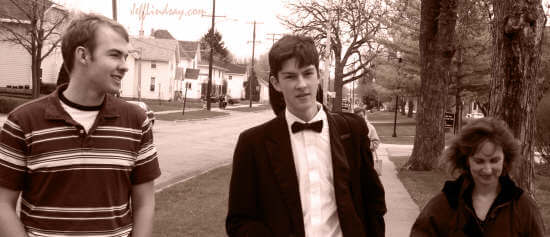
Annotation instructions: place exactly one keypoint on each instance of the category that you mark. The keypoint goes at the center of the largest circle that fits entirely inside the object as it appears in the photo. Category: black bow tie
(315, 126)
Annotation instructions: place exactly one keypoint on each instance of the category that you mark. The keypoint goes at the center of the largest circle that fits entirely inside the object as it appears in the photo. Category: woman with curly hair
(483, 200)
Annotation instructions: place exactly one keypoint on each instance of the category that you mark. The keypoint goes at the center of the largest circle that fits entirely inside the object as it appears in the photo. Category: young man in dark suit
(307, 172)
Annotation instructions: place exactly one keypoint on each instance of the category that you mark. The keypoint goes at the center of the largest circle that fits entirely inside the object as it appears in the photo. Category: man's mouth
(117, 77)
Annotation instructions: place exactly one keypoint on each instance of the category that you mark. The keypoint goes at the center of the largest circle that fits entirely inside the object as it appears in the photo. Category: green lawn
(196, 207)
(405, 133)
(190, 115)
(388, 116)
(248, 109)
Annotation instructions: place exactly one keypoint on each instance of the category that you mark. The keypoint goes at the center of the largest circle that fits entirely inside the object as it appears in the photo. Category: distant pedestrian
(307, 172)
(483, 201)
(83, 161)
(373, 135)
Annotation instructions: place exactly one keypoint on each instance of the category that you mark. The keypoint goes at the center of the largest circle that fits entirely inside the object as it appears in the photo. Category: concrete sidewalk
(402, 210)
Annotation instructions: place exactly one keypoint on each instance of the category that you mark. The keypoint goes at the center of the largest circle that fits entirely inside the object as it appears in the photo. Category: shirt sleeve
(147, 166)
(13, 150)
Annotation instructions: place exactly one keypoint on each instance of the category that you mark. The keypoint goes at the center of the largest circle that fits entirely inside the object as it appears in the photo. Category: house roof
(162, 34)
(155, 49)
(236, 68)
(188, 49)
(10, 11)
(192, 73)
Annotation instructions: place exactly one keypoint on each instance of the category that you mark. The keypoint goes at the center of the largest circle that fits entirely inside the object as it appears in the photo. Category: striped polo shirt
(76, 183)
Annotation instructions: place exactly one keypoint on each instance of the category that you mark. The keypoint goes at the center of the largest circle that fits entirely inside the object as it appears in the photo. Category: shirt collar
(55, 110)
(291, 118)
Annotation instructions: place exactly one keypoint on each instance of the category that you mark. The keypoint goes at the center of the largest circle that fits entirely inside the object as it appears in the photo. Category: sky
(185, 21)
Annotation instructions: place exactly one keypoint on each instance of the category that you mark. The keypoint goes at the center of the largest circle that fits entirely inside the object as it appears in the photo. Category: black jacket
(450, 213)
(264, 198)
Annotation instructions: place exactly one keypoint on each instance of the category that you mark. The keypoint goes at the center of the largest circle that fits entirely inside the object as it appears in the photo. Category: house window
(230, 77)
(153, 65)
(152, 88)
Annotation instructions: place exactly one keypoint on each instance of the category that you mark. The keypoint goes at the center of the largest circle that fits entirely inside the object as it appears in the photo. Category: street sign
(449, 119)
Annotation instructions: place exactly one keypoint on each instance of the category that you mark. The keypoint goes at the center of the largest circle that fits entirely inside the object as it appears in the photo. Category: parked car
(475, 115)
(144, 106)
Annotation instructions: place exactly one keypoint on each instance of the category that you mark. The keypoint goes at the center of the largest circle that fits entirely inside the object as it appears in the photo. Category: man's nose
(123, 66)
(301, 81)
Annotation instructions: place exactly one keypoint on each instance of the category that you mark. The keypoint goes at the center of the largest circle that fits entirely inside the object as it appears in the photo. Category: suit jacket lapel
(342, 177)
(340, 163)
(279, 151)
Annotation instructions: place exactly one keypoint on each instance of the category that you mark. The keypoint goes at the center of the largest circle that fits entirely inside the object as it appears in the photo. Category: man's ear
(82, 55)
(275, 83)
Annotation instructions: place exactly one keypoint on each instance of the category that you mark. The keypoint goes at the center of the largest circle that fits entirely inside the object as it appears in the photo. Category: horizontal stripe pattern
(73, 183)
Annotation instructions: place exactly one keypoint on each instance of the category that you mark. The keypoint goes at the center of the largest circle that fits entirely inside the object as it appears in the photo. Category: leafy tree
(353, 26)
(470, 68)
(36, 26)
(516, 89)
(220, 51)
(399, 68)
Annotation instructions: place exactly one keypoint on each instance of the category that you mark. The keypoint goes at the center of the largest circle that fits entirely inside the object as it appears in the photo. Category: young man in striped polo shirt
(79, 155)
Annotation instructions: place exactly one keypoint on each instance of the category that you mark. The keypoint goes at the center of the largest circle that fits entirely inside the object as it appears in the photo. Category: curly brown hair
(473, 136)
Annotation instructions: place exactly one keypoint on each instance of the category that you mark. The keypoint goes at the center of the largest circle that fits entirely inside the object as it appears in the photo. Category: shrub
(7, 104)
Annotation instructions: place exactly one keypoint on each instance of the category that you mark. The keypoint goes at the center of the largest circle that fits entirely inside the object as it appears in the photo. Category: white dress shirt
(313, 162)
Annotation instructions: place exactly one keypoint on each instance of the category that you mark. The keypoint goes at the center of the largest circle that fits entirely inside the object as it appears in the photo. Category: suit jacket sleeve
(243, 217)
(371, 187)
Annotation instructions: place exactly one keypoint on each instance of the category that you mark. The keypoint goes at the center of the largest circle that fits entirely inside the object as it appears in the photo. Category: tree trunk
(338, 86)
(515, 91)
(437, 38)
(458, 96)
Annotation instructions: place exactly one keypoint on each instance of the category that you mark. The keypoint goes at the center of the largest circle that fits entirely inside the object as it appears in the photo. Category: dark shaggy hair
(301, 48)
(82, 32)
(473, 136)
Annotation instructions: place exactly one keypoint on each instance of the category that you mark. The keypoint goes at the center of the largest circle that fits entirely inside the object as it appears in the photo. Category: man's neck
(308, 115)
(80, 93)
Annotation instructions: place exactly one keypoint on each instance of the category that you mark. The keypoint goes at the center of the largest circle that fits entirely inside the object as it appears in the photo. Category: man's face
(107, 66)
(486, 164)
(299, 88)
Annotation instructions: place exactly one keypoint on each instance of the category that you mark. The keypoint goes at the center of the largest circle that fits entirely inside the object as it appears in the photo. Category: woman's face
(486, 164)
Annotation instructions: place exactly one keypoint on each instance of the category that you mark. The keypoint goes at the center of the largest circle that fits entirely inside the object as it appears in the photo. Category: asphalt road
(190, 148)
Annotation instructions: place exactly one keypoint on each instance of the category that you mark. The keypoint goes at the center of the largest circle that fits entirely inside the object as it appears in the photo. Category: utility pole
(253, 74)
(208, 87)
(273, 37)
(114, 11)
(211, 58)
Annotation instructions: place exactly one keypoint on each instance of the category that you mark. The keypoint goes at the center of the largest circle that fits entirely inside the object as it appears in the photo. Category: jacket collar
(54, 110)
(456, 189)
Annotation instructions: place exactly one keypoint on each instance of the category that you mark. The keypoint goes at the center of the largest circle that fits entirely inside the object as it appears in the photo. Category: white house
(236, 76)
(218, 78)
(264, 91)
(190, 55)
(152, 69)
(15, 62)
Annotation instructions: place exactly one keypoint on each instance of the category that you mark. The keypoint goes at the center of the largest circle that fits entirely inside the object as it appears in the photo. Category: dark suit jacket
(264, 198)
